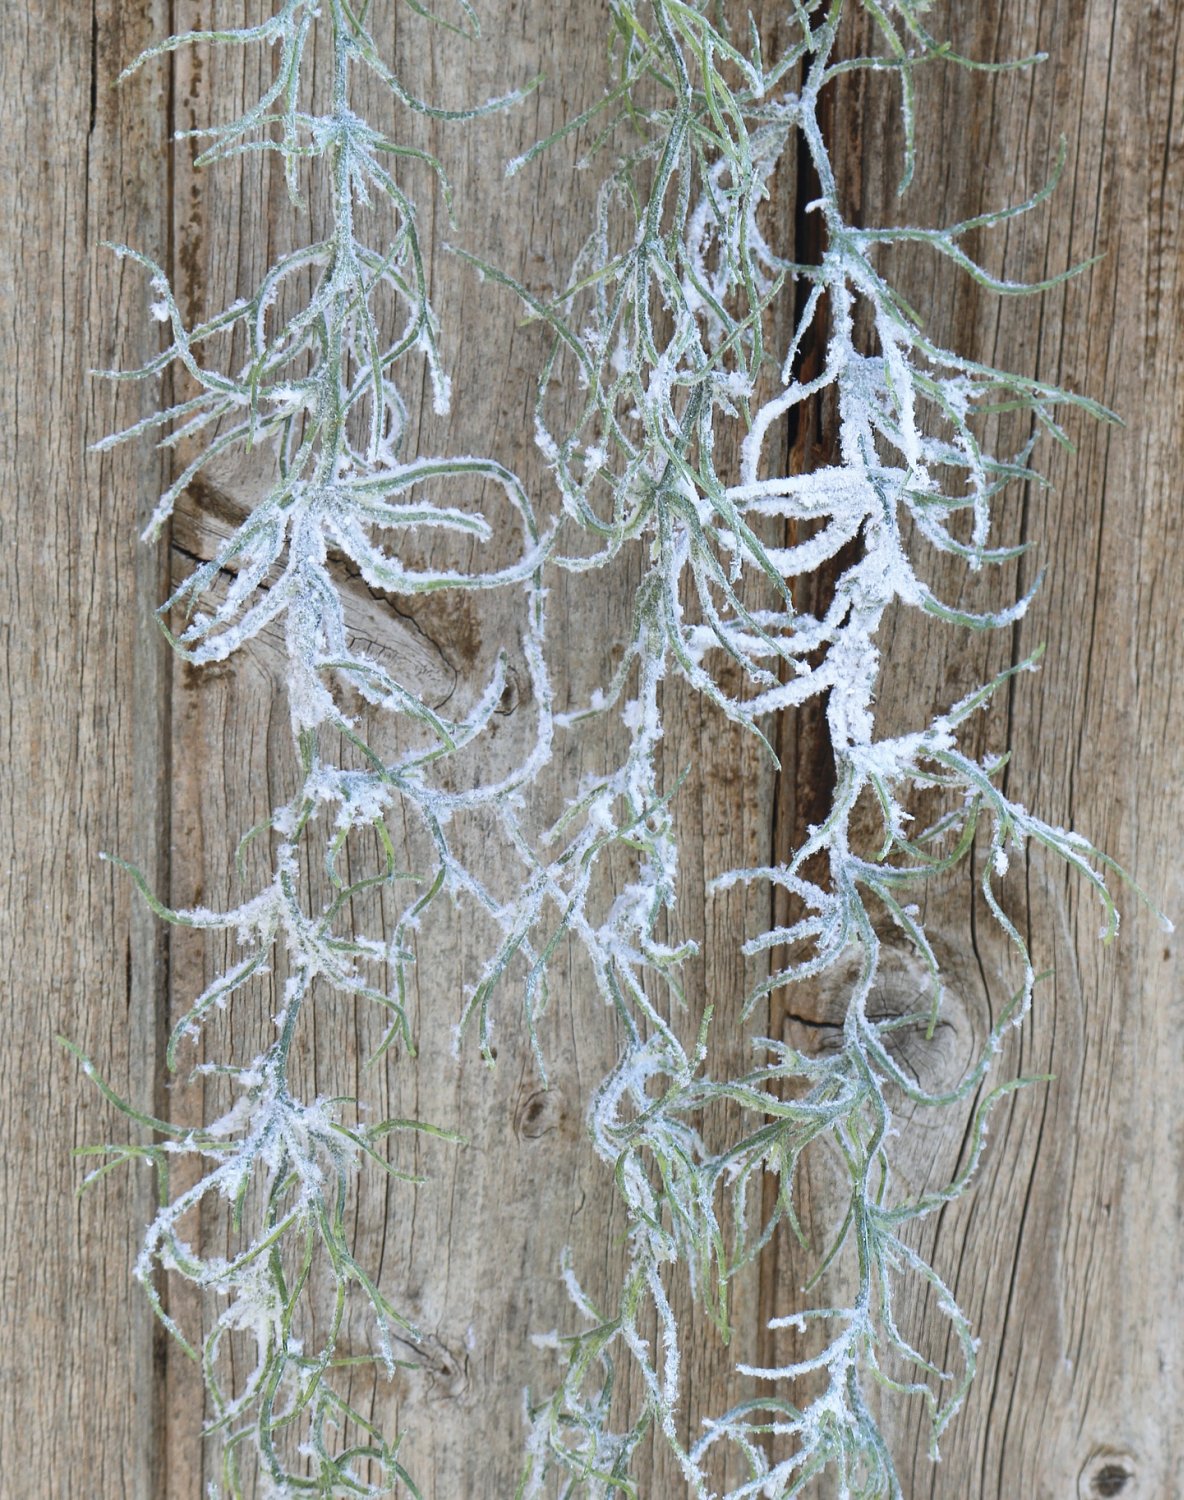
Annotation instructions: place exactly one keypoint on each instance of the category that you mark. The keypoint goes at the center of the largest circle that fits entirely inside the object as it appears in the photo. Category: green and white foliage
(663, 326)
(324, 388)
(666, 328)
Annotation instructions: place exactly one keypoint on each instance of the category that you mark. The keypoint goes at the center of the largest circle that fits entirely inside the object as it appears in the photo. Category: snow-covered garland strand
(663, 326)
(321, 387)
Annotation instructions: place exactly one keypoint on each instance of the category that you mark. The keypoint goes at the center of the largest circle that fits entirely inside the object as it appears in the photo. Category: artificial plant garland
(664, 326)
(320, 383)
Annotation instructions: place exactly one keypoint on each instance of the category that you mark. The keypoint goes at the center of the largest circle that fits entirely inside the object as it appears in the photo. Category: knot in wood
(1107, 1472)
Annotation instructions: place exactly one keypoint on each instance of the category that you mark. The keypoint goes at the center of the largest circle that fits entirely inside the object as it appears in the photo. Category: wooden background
(1067, 1254)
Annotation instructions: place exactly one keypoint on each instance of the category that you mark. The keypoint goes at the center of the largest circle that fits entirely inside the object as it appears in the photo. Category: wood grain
(86, 754)
(1067, 1254)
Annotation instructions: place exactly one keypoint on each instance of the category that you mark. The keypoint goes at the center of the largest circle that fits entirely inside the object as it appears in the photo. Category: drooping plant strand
(322, 387)
(663, 323)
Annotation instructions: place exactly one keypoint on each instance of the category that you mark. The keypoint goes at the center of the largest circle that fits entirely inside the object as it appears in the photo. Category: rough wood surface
(1067, 1254)
(85, 695)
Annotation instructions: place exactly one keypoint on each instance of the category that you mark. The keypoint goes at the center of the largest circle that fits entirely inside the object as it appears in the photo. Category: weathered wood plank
(1067, 1254)
(474, 1256)
(85, 760)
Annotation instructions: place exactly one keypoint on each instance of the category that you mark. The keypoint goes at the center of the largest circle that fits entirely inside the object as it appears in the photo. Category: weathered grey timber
(1068, 1252)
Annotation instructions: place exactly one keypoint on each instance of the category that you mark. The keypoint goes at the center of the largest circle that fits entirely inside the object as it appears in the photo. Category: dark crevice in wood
(804, 786)
(164, 1349)
(94, 69)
